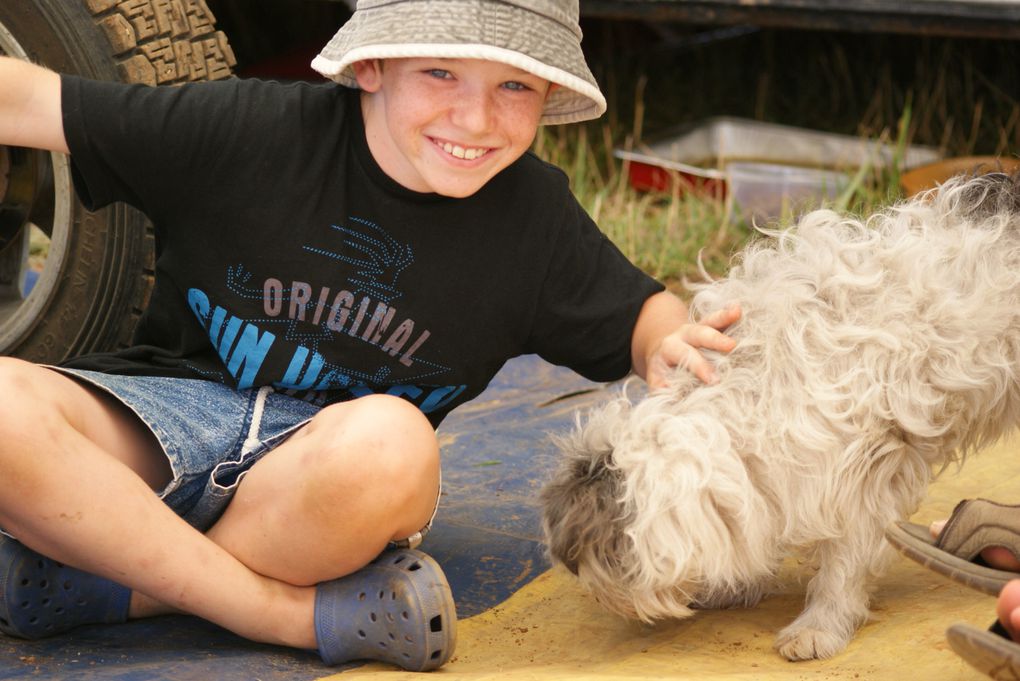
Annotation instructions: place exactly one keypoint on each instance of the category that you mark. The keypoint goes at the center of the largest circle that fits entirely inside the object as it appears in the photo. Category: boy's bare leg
(78, 474)
(328, 500)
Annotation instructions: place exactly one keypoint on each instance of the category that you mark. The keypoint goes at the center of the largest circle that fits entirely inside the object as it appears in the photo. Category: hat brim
(533, 43)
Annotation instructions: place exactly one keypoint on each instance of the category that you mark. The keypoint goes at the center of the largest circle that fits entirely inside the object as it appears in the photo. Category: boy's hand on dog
(682, 348)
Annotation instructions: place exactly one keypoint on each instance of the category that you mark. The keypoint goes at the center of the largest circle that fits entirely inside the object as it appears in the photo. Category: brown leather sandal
(975, 524)
(990, 651)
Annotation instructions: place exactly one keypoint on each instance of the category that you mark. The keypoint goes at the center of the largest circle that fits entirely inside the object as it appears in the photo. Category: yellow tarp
(550, 629)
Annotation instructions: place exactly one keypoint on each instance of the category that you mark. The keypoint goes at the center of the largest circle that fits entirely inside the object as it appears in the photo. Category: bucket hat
(541, 37)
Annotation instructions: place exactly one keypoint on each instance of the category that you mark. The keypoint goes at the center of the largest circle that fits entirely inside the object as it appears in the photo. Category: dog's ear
(581, 507)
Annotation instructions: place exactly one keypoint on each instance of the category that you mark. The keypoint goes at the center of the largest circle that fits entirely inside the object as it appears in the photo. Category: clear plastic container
(762, 192)
(763, 166)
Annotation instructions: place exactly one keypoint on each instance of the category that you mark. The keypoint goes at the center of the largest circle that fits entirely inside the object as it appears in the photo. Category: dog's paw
(808, 644)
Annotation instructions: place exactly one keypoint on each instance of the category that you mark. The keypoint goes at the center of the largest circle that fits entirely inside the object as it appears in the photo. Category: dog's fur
(871, 354)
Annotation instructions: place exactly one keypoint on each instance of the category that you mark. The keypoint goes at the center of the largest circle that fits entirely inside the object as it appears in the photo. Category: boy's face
(448, 125)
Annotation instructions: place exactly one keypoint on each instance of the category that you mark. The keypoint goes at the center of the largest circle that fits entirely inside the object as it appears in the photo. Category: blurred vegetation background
(961, 96)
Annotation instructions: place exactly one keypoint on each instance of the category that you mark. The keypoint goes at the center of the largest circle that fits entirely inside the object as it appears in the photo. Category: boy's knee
(388, 429)
(16, 376)
(379, 443)
(25, 387)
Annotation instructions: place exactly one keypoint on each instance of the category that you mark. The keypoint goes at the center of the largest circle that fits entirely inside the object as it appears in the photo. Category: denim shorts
(212, 435)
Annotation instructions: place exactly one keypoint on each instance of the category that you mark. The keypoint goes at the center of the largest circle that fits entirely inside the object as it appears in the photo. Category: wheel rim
(36, 192)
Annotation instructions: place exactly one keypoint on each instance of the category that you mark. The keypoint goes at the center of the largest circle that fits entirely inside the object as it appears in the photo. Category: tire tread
(159, 42)
(164, 42)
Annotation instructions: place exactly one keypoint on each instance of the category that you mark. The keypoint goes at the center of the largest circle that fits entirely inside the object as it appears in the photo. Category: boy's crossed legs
(79, 470)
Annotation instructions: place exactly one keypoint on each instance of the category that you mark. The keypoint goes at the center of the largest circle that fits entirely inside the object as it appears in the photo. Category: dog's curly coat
(871, 354)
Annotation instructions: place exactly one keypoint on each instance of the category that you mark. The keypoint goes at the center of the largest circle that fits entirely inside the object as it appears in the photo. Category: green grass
(957, 95)
(663, 233)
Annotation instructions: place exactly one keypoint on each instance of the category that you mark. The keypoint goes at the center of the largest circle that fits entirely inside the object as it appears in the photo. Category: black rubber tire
(98, 275)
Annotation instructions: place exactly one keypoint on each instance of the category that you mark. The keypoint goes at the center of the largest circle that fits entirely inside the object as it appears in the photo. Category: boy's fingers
(720, 319)
(684, 353)
(701, 368)
(656, 380)
(682, 348)
(707, 336)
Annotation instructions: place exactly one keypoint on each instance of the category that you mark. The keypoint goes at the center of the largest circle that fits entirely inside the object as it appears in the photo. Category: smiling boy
(337, 268)
(448, 126)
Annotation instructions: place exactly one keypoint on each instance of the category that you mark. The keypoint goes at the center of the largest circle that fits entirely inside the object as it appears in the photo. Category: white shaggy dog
(870, 355)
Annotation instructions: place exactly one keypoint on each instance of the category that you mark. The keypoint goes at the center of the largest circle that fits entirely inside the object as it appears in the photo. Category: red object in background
(647, 178)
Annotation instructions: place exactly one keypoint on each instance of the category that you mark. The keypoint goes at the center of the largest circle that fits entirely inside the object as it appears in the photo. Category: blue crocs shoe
(397, 609)
(40, 597)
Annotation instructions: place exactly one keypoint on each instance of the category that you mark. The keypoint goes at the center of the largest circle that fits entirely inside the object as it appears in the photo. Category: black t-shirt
(286, 257)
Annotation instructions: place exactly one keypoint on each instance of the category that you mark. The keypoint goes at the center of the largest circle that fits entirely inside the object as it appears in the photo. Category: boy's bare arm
(664, 337)
(30, 114)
